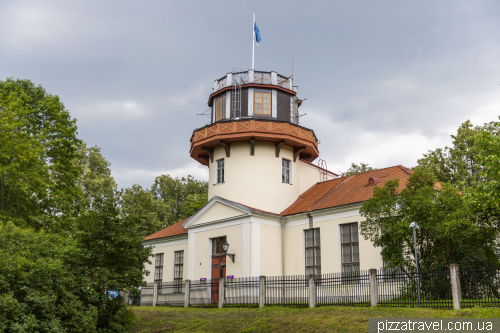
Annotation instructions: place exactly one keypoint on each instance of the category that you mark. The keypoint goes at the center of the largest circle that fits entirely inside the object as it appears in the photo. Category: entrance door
(218, 265)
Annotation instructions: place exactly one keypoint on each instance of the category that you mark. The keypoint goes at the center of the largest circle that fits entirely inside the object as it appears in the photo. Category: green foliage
(41, 285)
(449, 230)
(95, 176)
(182, 197)
(140, 206)
(458, 164)
(63, 241)
(355, 169)
(37, 147)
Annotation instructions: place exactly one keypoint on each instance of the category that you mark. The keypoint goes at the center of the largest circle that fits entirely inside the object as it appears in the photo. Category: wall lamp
(225, 247)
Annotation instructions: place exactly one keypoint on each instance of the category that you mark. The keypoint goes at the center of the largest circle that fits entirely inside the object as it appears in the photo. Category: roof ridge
(333, 190)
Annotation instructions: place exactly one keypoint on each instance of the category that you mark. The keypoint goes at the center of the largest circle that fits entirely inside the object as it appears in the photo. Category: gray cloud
(385, 81)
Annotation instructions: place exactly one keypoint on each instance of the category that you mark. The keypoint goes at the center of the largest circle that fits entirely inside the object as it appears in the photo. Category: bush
(39, 291)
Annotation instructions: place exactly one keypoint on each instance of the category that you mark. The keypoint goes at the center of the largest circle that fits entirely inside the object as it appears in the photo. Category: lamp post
(415, 226)
(225, 247)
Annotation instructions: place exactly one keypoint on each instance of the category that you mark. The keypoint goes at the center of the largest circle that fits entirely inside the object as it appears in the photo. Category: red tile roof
(173, 230)
(346, 190)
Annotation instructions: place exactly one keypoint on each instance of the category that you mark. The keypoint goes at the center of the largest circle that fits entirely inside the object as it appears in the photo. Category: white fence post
(456, 290)
(187, 292)
(221, 292)
(262, 291)
(312, 291)
(373, 287)
(155, 292)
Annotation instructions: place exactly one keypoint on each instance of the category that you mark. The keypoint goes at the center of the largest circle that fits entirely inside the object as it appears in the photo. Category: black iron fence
(290, 290)
(480, 286)
(349, 289)
(171, 293)
(400, 288)
(477, 286)
(242, 292)
(204, 293)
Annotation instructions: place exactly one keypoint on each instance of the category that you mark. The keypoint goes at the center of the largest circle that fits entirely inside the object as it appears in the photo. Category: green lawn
(282, 319)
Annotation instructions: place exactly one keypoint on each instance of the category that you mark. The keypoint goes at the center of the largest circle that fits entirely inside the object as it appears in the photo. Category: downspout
(283, 246)
(283, 258)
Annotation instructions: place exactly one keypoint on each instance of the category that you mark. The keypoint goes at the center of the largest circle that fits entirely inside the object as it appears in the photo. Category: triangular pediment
(217, 209)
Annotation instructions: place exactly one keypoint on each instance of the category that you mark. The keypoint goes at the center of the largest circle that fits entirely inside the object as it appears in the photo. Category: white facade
(263, 242)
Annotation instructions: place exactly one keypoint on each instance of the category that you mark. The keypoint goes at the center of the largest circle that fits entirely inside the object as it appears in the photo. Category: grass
(283, 319)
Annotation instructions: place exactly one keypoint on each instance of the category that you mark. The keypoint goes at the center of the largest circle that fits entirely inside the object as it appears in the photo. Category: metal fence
(171, 293)
(242, 292)
(480, 286)
(399, 288)
(204, 293)
(349, 289)
(147, 294)
(291, 290)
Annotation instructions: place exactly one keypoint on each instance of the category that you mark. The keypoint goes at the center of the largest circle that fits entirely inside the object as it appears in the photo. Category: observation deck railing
(254, 77)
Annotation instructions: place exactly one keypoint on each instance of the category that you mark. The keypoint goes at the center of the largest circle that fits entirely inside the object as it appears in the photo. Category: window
(159, 267)
(262, 103)
(220, 171)
(220, 108)
(313, 252)
(285, 171)
(350, 251)
(178, 270)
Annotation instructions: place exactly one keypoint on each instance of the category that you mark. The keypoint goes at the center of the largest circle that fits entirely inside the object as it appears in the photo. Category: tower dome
(256, 151)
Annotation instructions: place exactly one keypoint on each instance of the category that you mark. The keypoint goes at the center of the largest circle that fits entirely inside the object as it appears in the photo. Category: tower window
(220, 171)
(220, 108)
(285, 171)
(313, 251)
(262, 103)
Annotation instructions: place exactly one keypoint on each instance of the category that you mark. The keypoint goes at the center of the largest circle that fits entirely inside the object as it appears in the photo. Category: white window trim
(217, 171)
(289, 171)
(274, 103)
(250, 102)
(228, 104)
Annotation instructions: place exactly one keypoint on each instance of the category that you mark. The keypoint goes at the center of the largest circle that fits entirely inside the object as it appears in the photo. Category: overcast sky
(385, 81)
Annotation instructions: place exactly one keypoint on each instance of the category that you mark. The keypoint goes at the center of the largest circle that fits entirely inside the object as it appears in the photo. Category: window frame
(350, 276)
(219, 176)
(220, 108)
(263, 94)
(286, 168)
(178, 263)
(316, 247)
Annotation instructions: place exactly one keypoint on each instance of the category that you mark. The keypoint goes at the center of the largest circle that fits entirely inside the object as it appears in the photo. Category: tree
(457, 165)
(37, 146)
(70, 243)
(174, 194)
(95, 172)
(449, 230)
(139, 205)
(41, 285)
(355, 169)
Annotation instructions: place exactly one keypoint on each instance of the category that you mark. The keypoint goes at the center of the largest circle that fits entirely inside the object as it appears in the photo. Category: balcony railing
(255, 77)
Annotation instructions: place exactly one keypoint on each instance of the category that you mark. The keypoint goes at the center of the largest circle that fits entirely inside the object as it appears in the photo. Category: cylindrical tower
(257, 153)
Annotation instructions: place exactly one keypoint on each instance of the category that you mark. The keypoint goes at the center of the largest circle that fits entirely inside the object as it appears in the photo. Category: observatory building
(274, 209)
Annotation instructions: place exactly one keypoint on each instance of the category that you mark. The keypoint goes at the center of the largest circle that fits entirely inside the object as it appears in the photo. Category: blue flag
(257, 34)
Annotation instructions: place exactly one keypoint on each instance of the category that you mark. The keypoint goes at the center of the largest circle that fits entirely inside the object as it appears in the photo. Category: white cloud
(145, 177)
(113, 110)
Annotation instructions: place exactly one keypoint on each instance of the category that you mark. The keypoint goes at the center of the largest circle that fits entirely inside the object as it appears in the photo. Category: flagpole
(253, 41)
